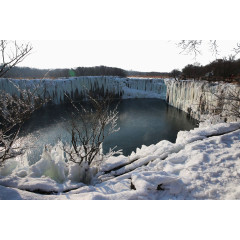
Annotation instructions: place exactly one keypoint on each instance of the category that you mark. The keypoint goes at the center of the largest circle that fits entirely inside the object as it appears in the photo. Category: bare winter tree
(90, 125)
(175, 73)
(14, 110)
(12, 53)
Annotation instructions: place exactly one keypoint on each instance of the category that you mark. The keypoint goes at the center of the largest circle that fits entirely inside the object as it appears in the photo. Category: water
(141, 121)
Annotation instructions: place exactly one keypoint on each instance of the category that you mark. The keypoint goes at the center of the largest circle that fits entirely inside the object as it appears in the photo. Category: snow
(202, 164)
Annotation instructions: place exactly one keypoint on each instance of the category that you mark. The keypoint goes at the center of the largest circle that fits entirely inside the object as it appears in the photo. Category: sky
(140, 55)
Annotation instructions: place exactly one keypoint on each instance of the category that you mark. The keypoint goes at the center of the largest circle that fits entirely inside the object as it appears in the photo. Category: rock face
(202, 99)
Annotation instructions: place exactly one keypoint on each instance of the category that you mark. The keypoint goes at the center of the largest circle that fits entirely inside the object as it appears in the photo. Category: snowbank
(202, 164)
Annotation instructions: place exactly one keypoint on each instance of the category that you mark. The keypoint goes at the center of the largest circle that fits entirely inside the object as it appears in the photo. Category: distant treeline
(147, 74)
(31, 73)
(218, 70)
(26, 72)
(226, 69)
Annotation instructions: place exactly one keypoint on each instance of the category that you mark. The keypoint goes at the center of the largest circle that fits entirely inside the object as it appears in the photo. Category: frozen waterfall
(198, 98)
(202, 99)
(78, 87)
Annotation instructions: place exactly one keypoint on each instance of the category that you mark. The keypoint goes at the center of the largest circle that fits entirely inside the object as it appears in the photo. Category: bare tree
(14, 110)
(12, 53)
(90, 125)
(175, 73)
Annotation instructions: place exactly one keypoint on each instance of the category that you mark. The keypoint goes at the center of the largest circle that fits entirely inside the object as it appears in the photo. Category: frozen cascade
(78, 86)
(199, 99)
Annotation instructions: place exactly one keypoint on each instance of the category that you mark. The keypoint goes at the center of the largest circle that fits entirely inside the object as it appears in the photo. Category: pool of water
(141, 121)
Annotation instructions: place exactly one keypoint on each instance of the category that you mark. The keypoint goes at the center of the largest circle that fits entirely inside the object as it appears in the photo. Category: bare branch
(214, 48)
(193, 47)
(190, 46)
(12, 53)
(237, 49)
(90, 125)
(14, 111)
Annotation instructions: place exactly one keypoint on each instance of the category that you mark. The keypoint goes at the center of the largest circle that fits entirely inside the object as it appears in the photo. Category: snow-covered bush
(89, 127)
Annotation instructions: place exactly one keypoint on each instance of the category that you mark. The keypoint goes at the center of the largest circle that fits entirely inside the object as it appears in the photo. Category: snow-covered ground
(204, 163)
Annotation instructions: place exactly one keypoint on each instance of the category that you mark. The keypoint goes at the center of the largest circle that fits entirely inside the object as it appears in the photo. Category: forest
(226, 69)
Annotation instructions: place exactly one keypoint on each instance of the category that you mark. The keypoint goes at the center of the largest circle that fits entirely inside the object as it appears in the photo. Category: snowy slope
(202, 164)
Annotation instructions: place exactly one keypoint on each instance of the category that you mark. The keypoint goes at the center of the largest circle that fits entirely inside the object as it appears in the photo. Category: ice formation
(198, 98)
(201, 99)
(78, 86)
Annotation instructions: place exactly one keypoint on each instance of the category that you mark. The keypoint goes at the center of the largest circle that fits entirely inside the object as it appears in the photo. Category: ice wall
(198, 98)
(201, 99)
(78, 86)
